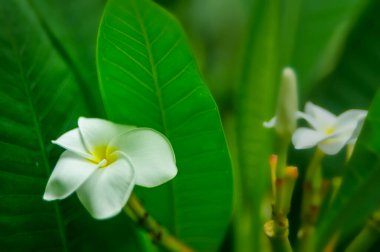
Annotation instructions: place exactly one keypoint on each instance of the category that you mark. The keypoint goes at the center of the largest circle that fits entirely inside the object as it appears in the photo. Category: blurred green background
(240, 47)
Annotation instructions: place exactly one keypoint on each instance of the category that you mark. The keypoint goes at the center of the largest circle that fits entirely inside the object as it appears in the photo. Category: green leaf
(356, 79)
(257, 98)
(149, 78)
(322, 30)
(39, 100)
(73, 26)
(359, 194)
(353, 85)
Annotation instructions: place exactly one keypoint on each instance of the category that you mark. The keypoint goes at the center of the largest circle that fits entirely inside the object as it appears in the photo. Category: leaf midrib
(37, 126)
(159, 98)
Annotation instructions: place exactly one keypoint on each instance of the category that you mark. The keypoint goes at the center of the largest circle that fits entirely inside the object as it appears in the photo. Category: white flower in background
(103, 161)
(329, 132)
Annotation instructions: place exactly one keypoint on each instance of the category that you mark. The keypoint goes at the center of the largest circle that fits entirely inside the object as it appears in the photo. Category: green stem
(280, 183)
(277, 230)
(367, 236)
(311, 200)
(159, 235)
(286, 188)
(282, 156)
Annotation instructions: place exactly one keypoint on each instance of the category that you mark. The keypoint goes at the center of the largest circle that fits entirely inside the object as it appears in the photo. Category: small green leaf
(149, 78)
(359, 194)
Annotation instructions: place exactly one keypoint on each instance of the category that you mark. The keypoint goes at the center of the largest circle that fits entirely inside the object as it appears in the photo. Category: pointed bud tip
(288, 73)
(273, 160)
(287, 103)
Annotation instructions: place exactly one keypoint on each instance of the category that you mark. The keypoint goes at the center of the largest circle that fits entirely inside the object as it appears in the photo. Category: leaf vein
(126, 45)
(128, 73)
(182, 99)
(162, 32)
(169, 51)
(192, 117)
(129, 56)
(176, 76)
(122, 21)
(137, 94)
(127, 36)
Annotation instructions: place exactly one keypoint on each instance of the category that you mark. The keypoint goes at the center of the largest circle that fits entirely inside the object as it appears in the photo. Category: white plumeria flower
(103, 161)
(329, 132)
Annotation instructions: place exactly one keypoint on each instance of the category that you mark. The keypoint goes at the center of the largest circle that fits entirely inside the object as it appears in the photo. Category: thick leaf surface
(39, 100)
(149, 78)
(359, 194)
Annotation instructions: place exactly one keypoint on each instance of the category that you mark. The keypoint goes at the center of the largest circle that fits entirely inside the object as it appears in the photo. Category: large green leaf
(322, 30)
(257, 98)
(39, 100)
(149, 78)
(72, 25)
(359, 194)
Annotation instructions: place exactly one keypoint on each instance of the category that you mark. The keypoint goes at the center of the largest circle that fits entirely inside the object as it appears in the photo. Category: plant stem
(283, 143)
(280, 185)
(285, 188)
(367, 236)
(158, 234)
(311, 199)
(277, 230)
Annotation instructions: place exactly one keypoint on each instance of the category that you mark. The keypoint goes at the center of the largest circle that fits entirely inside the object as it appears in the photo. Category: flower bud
(287, 104)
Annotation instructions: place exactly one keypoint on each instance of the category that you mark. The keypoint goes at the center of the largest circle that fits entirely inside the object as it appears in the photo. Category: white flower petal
(310, 120)
(322, 117)
(304, 138)
(72, 141)
(150, 154)
(69, 173)
(98, 132)
(357, 131)
(349, 119)
(335, 142)
(271, 123)
(106, 192)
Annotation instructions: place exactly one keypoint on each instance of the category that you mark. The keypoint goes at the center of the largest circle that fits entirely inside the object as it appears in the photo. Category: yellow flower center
(329, 130)
(105, 155)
